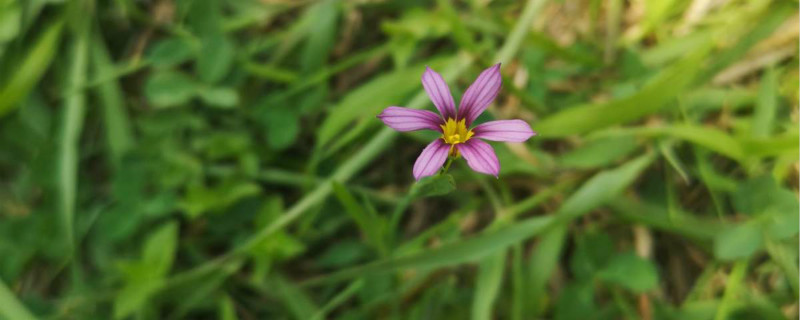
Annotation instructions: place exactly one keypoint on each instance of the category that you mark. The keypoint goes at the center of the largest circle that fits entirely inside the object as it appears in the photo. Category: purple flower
(458, 137)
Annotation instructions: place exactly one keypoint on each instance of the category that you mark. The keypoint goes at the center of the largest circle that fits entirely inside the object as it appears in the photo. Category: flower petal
(406, 119)
(504, 130)
(480, 94)
(431, 159)
(480, 156)
(439, 93)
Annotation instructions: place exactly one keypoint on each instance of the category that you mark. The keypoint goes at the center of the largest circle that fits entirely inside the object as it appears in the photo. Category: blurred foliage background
(221, 159)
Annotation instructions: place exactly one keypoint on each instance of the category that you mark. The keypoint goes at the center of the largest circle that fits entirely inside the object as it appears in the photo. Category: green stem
(339, 298)
(732, 287)
(517, 35)
(447, 165)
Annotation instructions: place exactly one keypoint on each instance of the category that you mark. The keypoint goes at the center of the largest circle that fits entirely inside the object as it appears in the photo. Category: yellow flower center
(455, 132)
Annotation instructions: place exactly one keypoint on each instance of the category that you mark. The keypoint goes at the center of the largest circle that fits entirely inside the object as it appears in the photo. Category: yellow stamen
(455, 132)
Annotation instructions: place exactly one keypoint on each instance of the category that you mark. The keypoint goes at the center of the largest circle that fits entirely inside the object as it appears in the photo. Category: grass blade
(370, 225)
(766, 108)
(541, 266)
(118, 129)
(654, 216)
(71, 127)
(30, 71)
(337, 300)
(297, 301)
(667, 85)
(521, 28)
(602, 188)
(10, 307)
(707, 137)
(468, 250)
(366, 101)
(786, 259)
(490, 278)
(732, 287)
(519, 302)
(775, 16)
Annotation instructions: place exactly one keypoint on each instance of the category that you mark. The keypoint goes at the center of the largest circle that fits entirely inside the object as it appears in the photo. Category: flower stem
(447, 165)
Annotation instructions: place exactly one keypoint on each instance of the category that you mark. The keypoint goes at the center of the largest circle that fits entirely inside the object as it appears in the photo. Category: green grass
(193, 159)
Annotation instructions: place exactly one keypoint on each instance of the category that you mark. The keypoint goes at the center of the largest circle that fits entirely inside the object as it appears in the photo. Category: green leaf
(145, 277)
(448, 254)
(674, 48)
(543, 262)
(775, 15)
(225, 309)
(784, 145)
(219, 97)
(271, 73)
(520, 304)
(133, 297)
(197, 293)
(762, 194)
(343, 253)
(117, 124)
(340, 298)
(200, 199)
(766, 108)
(603, 187)
(294, 298)
(650, 99)
(576, 302)
(711, 138)
(11, 307)
(775, 207)
(436, 185)
(204, 16)
(28, 72)
(366, 101)
(215, 59)
(592, 253)
(159, 249)
(277, 246)
(169, 52)
(69, 146)
(169, 89)
(738, 242)
(282, 127)
(321, 34)
(782, 225)
(417, 24)
(598, 153)
(630, 271)
(221, 144)
(490, 278)
(371, 226)
(733, 284)
(10, 22)
(660, 217)
(658, 11)
(785, 257)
